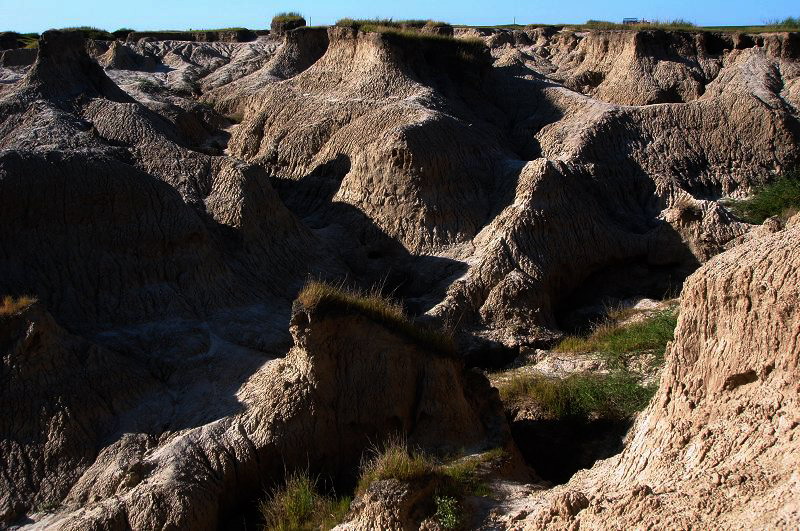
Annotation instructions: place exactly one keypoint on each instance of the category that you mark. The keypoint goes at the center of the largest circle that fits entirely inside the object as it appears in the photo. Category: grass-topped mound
(432, 39)
(780, 198)
(381, 25)
(283, 22)
(453, 478)
(323, 297)
(90, 32)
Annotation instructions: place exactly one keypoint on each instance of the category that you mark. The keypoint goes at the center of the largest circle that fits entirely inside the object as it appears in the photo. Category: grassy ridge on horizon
(787, 24)
(772, 26)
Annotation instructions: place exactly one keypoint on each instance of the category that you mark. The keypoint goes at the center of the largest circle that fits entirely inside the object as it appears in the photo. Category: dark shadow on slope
(557, 449)
(374, 258)
(588, 303)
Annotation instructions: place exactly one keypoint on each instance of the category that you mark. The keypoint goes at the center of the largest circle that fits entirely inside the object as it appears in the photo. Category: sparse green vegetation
(618, 342)
(789, 23)
(288, 16)
(324, 297)
(11, 305)
(781, 198)
(298, 506)
(448, 512)
(149, 87)
(383, 25)
(617, 395)
(29, 40)
(464, 473)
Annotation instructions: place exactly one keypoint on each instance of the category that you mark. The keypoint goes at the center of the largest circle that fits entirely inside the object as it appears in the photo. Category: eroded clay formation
(166, 200)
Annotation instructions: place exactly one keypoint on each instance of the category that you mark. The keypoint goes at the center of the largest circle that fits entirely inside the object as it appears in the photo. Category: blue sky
(39, 15)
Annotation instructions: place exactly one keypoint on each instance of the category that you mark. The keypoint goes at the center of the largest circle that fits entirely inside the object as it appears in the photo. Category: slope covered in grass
(618, 342)
(780, 198)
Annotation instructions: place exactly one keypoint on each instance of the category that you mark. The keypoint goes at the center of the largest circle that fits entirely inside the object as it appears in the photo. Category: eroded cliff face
(347, 383)
(166, 208)
(718, 445)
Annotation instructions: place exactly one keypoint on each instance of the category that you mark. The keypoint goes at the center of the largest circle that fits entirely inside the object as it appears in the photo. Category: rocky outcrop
(662, 161)
(18, 57)
(122, 57)
(64, 398)
(718, 445)
(347, 383)
(113, 150)
(494, 199)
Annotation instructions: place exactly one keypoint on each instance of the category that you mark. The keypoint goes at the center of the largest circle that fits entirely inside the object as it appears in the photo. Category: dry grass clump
(11, 305)
(395, 461)
(457, 477)
(324, 297)
(454, 479)
(617, 395)
(298, 506)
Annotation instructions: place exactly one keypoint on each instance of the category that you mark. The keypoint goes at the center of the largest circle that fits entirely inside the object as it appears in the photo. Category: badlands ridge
(165, 202)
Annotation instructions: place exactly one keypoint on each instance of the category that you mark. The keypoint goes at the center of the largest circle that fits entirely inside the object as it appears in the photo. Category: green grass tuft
(618, 343)
(617, 395)
(298, 505)
(780, 198)
(789, 23)
(321, 296)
